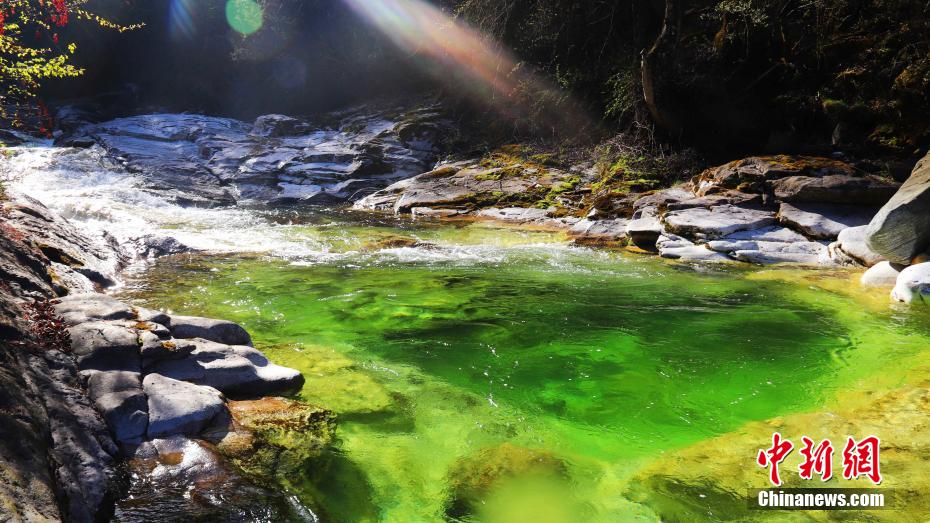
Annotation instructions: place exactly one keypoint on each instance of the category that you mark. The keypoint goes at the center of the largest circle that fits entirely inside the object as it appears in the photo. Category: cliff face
(56, 456)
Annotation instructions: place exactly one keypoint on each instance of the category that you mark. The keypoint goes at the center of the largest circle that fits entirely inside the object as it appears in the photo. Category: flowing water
(434, 343)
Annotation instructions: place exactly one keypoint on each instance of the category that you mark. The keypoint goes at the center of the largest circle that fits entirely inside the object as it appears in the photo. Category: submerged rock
(473, 478)
(900, 231)
(913, 285)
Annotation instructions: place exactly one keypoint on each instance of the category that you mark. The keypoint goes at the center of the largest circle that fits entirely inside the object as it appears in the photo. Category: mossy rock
(474, 478)
(276, 437)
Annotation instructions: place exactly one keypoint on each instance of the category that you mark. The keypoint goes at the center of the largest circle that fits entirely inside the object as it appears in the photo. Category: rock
(600, 232)
(276, 436)
(475, 477)
(882, 274)
(807, 253)
(237, 371)
(156, 349)
(736, 198)
(278, 125)
(660, 200)
(102, 346)
(852, 242)
(913, 285)
(126, 414)
(426, 212)
(900, 230)
(177, 407)
(751, 174)
(694, 253)
(220, 331)
(150, 316)
(822, 221)
(837, 188)
(716, 222)
(156, 246)
(644, 230)
(67, 280)
(767, 234)
(81, 308)
(514, 214)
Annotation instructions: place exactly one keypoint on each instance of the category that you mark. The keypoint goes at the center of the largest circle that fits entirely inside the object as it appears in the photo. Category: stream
(435, 342)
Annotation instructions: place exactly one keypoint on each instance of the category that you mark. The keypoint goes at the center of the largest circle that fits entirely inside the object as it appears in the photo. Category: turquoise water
(510, 346)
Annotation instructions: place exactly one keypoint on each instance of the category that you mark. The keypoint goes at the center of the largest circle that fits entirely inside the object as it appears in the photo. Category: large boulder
(913, 285)
(900, 231)
(177, 407)
(852, 242)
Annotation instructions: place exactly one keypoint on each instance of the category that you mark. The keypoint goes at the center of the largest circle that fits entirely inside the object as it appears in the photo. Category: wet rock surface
(209, 161)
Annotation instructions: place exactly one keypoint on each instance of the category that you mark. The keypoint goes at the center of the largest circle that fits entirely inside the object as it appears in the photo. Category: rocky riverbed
(188, 402)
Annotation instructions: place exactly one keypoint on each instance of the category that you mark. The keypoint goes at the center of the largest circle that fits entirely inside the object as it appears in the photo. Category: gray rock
(852, 242)
(767, 234)
(156, 246)
(836, 188)
(767, 253)
(514, 214)
(882, 274)
(427, 212)
(277, 125)
(177, 407)
(752, 174)
(220, 331)
(156, 349)
(148, 315)
(126, 414)
(102, 346)
(644, 230)
(694, 253)
(913, 285)
(900, 231)
(716, 222)
(238, 371)
(823, 221)
(600, 231)
(81, 308)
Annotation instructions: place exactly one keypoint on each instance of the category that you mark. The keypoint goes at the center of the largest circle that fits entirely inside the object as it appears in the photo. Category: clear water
(605, 361)
(483, 336)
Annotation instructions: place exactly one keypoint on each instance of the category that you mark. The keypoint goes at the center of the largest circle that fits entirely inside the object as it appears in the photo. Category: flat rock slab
(239, 370)
(177, 407)
(767, 234)
(600, 231)
(694, 253)
(102, 346)
(823, 221)
(514, 214)
(220, 331)
(836, 188)
(716, 222)
(81, 308)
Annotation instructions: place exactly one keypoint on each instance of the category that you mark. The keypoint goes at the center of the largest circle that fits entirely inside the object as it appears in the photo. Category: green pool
(477, 341)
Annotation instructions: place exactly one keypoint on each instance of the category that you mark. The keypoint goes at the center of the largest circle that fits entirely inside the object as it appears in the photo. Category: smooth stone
(514, 214)
(822, 221)
(101, 346)
(152, 316)
(913, 285)
(239, 371)
(644, 231)
(427, 212)
(716, 222)
(599, 231)
(177, 407)
(126, 414)
(775, 233)
(672, 241)
(157, 246)
(695, 253)
(81, 308)
(220, 331)
(773, 258)
(155, 348)
(852, 241)
(882, 274)
(900, 231)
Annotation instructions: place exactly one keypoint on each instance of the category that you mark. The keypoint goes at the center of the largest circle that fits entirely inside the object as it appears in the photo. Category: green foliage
(27, 60)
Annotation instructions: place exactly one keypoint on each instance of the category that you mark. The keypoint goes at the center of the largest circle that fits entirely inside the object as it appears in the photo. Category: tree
(31, 51)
